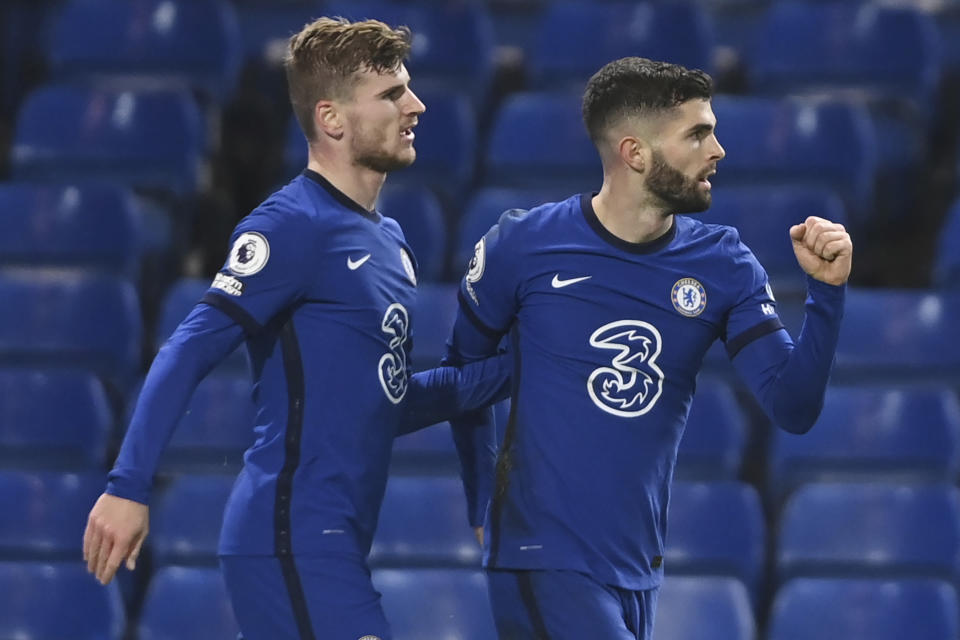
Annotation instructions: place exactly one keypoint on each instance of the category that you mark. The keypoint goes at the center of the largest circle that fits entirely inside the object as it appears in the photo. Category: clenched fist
(823, 249)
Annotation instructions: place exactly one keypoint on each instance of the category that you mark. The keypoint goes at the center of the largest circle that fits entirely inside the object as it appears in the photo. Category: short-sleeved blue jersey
(609, 338)
(324, 290)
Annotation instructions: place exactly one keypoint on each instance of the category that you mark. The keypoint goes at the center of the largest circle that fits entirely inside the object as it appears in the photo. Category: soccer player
(319, 285)
(611, 300)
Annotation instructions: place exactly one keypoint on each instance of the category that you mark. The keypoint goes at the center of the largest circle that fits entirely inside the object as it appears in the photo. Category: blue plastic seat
(898, 334)
(716, 529)
(195, 43)
(421, 217)
(704, 608)
(186, 518)
(68, 318)
(423, 522)
(574, 39)
(150, 139)
(715, 435)
(96, 226)
(435, 603)
(946, 268)
(764, 214)
(45, 512)
(903, 433)
(798, 142)
(870, 529)
(48, 601)
(53, 418)
(433, 318)
(187, 603)
(860, 609)
(538, 141)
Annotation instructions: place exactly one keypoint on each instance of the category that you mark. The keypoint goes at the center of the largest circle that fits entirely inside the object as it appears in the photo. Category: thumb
(135, 553)
(797, 232)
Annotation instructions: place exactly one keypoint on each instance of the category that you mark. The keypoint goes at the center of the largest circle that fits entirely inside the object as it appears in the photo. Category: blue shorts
(304, 598)
(562, 605)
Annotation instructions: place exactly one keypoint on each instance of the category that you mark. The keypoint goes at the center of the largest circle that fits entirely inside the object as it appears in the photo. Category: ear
(328, 119)
(634, 152)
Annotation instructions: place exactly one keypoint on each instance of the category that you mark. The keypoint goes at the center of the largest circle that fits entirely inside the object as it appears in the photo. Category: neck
(630, 214)
(360, 184)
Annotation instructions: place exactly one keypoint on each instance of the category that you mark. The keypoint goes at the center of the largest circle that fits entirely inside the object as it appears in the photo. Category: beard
(680, 193)
(368, 150)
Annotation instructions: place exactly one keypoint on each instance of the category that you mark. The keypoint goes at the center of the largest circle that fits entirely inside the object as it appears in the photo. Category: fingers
(836, 248)
(91, 546)
(132, 558)
(103, 557)
(816, 234)
(826, 238)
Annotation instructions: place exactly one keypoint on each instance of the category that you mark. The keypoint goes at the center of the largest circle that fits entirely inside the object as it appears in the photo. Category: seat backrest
(186, 519)
(187, 603)
(424, 226)
(722, 606)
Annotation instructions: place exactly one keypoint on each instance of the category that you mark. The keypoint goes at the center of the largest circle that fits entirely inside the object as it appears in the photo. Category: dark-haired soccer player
(319, 285)
(611, 300)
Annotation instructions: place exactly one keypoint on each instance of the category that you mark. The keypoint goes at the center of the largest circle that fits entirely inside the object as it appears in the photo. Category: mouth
(407, 134)
(705, 182)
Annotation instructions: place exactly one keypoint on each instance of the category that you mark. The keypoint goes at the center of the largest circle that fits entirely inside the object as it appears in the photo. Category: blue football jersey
(609, 337)
(324, 290)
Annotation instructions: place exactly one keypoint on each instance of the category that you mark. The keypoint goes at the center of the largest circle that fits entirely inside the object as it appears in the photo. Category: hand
(478, 532)
(823, 249)
(116, 529)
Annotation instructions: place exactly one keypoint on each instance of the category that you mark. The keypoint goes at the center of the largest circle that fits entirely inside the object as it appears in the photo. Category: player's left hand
(823, 249)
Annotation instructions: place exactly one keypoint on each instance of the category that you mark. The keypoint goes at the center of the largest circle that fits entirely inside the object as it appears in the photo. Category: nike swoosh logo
(353, 265)
(557, 283)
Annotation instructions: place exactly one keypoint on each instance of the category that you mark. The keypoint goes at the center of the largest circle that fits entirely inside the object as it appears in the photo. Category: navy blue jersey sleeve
(444, 393)
(489, 294)
(202, 340)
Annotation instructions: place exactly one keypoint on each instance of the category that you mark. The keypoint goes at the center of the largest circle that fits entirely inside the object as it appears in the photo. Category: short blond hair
(324, 56)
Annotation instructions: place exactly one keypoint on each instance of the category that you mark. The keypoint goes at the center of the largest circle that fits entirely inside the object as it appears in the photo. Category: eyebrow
(700, 128)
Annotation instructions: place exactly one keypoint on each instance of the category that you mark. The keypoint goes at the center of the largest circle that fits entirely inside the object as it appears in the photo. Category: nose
(415, 106)
(719, 153)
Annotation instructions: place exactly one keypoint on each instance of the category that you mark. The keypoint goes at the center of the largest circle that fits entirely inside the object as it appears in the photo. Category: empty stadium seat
(763, 216)
(151, 139)
(946, 268)
(194, 43)
(861, 609)
(45, 513)
(716, 529)
(423, 522)
(538, 140)
(704, 608)
(421, 217)
(572, 40)
(806, 142)
(870, 529)
(51, 601)
(186, 519)
(715, 435)
(53, 418)
(67, 318)
(435, 603)
(187, 603)
(897, 433)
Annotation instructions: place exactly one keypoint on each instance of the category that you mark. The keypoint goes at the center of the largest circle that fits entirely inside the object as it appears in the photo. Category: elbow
(799, 418)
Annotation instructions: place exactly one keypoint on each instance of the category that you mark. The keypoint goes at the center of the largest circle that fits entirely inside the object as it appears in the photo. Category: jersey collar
(586, 205)
(340, 196)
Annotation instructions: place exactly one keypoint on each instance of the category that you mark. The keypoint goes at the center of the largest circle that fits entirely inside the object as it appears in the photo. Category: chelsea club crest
(689, 297)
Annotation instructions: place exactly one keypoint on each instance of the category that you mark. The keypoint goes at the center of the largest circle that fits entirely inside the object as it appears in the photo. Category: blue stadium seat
(538, 141)
(905, 433)
(266, 26)
(96, 226)
(898, 334)
(946, 268)
(870, 529)
(763, 216)
(186, 518)
(452, 41)
(53, 418)
(45, 513)
(433, 318)
(423, 522)
(68, 318)
(187, 603)
(182, 297)
(805, 142)
(861, 609)
(704, 608)
(150, 139)
(49, 601)
(420, 216)
(484, 209)
(193, 43)
(716, 529)
(715, 435)
(574, 39)
(435, 603)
